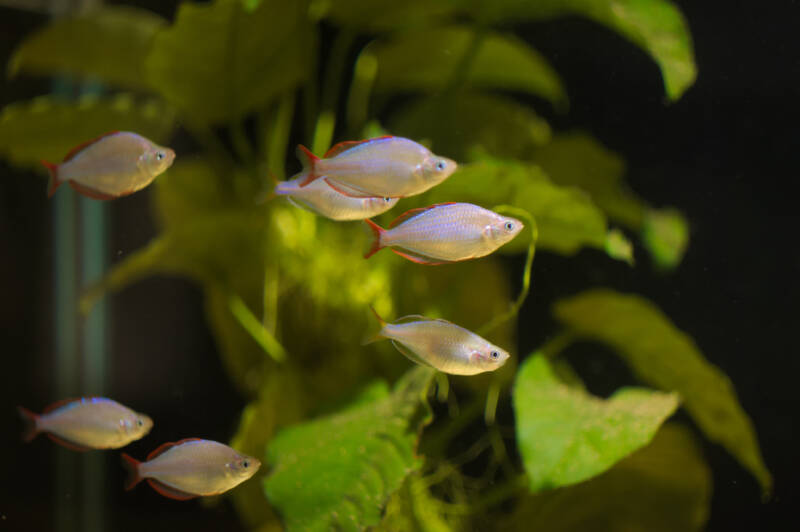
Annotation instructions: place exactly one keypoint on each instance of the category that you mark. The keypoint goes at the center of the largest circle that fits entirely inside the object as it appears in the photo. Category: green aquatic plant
(287, 293)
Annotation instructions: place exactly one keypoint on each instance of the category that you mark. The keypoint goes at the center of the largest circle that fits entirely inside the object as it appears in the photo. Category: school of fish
(354, 180)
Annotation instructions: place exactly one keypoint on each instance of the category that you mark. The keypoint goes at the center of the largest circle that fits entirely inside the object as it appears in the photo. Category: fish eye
(140, 422)
(441, 165)
(160, 155)
(387, 200)
(509, 226)
(246, 464)
(495, 355)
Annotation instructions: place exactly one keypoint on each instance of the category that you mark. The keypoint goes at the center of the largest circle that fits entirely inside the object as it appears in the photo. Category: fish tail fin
(53, 183)
(377, 232)
(31, 425)
(270, 192)
(131, 465)
(378, 335)
(309, 161)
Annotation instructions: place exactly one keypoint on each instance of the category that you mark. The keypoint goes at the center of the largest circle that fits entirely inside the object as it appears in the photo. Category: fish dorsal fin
(420, 259)
(409, 318)
(410, 354)
(414, 212)
(336, 149)
(59, 404)
(77, 149)
(169, 491)
(164, 447)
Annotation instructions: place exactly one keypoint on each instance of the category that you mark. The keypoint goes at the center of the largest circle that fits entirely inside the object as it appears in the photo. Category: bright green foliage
(47, 128)
(666, 235)
(338, 471)
(429, 59)
(219, 60)
(663, 487)
(456, 125)
(109, 44)
(662, 355)
(566, 217)
(566, 436)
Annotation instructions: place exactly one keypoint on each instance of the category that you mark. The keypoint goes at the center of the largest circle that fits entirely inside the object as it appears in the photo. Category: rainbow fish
(191, 468)
(110, 166)
(87, 423)
(392, 167)
(321, 198)
(441, 345)
(445, 232)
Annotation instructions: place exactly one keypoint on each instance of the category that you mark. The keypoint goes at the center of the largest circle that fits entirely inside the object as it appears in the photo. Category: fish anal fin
(90, 192)
(300, 204)
(413, 357)
(414, 212)
(77, 149)
(419, 259)
(168, 491)
(164, 447)
(347, 191)
(68, 444)
(341, 147)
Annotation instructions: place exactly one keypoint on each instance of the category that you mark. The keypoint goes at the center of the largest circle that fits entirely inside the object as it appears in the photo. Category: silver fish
(446, 232)
(191, 468)
(441, 345)
(87, 423)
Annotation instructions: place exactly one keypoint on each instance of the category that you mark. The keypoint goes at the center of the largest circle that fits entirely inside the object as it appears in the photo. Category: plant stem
(240, 143)
(331, 89)
(263, 337)
(278, 139)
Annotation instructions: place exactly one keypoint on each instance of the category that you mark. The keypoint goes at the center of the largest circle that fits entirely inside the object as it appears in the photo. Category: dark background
(725, 154)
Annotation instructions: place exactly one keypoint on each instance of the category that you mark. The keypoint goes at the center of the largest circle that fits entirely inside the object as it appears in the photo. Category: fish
(393, 167)
(191, 468)
(320, 198)
(440, 344)
(445, 232)
(110, 166)
(87, 423)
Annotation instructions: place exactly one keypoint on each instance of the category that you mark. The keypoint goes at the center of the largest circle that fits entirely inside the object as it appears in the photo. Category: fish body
(111, 166)
(191, 468)
(391, 167)
(442, 345)
(320, 198)
(446, 232)
(88, 423)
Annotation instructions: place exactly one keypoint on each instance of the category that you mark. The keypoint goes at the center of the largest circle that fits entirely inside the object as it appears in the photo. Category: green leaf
(663, 487)
(566, 436)
(657, 26)
(339, 471)
(427, 60)
(109, 43)
(566, 218)
(47, 128)
(413, 509)
(458, 124)
(662, 355)
(666, 234)
(376, 15)
(219, 60)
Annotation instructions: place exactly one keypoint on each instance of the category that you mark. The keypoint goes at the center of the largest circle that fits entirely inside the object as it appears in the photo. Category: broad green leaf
(663, 487)
(566, 217)
(413, 509)
(657, 26)
(220, 60)
(566, 436)
(427, 60)
(666, 234)
(47, 128)
(339, 471)
(662, 355)
(108, 44)
(376, 15)
(456, 125)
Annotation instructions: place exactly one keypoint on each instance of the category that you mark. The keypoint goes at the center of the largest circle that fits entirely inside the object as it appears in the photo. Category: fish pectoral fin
(69, 444)
(413, 357)
(419, 259)
(168, 491)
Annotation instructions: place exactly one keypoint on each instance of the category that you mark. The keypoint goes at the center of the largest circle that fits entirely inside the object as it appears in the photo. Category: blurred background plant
(286, 293)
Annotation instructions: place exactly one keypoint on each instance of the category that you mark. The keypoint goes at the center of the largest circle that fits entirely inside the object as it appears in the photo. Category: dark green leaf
(47, 128)
(566, 436)
(339, 471)
(427, 60)
(377, 15)
(662, 355)
(220, 60)
(456, 125)
(109, 44)
(663, 487)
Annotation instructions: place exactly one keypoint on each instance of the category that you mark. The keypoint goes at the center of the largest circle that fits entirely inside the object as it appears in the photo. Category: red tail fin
(131, 465)
(31, 429)
(309, 161)
(378, 231)
(53, 183)
(378, 335)
(271, 193)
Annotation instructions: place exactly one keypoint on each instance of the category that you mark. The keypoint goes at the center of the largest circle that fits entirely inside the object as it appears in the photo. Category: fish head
(242, 467)
(136, 425)
(436, 169)
(156, 159)
(489, 357)
(503, 229)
